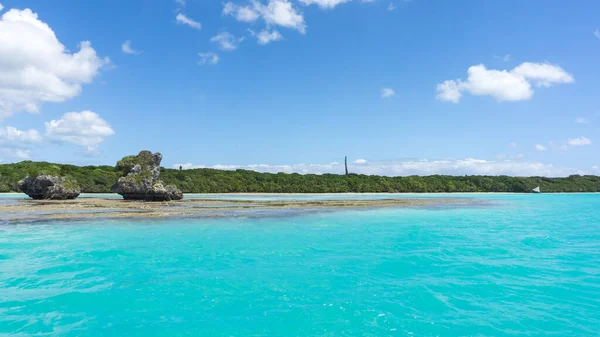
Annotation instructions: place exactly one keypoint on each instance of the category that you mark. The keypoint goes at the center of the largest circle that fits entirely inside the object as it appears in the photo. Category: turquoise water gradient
(524, 265)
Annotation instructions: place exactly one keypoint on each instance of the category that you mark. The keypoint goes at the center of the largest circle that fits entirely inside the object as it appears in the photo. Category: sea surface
(513, 265)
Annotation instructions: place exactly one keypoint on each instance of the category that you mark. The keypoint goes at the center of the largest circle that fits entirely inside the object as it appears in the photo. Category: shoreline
(330, 193)
(93, 208)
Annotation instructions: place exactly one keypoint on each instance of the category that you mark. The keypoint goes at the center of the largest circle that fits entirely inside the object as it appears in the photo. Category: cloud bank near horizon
(423, 167)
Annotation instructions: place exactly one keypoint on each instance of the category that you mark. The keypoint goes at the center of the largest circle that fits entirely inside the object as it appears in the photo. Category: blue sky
(401, 87)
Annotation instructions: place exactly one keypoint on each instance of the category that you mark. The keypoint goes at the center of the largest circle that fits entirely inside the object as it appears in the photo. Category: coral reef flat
(86, 208)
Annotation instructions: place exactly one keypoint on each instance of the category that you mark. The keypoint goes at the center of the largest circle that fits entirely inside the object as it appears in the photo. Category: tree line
(99, 179)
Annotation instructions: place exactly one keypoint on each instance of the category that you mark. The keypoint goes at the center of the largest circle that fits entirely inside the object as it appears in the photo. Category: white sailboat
(536, 190)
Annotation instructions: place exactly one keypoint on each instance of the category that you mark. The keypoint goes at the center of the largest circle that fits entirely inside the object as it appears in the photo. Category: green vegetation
(70, 183)
(126, 164)
(98, 179)
(91, 179)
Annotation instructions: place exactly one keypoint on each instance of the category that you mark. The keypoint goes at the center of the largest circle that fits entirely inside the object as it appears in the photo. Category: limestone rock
(142, 180)
(50, 187)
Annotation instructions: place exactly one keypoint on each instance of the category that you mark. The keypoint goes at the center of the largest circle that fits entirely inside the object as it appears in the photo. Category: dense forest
(97, 179)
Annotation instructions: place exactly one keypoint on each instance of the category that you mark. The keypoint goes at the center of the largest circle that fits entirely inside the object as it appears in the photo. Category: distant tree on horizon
(346, 164)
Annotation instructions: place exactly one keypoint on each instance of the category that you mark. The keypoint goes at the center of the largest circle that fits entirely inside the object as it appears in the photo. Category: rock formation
(141, 181)
(50, 187)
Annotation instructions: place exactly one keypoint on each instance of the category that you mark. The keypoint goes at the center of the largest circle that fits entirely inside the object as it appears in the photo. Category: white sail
(536, 190)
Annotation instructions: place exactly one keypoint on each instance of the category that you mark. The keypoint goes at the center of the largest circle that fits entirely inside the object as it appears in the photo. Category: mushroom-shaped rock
(141, 181)
(50, 187)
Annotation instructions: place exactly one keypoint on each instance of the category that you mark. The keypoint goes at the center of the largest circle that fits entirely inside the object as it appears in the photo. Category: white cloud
(391, 7)
(181, 3)
(360, 161)
(127, 49)
(265, 37)
(15, 143)
(84, 129)
(1, 7)
(449, 91)
(498, 84)
(467, 166)
(12, 136)
(182, 19)
(542, 74)
(387, 92)
(241, 13)
(580, 141)
(597, 33)
(581, 120)
(539, 147)
(327, 4)
(513, 144)
(282, 13)
(274, 13)
(35, 67)
(226, 41)
(208, 58)
(503, 85)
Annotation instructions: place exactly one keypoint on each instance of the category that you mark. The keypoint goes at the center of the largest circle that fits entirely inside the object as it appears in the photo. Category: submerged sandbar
(89, 208)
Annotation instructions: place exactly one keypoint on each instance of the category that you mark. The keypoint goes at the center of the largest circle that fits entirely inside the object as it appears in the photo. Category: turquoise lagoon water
(515, 265)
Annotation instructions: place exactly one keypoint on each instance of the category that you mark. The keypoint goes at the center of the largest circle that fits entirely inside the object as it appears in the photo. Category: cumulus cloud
(86, 129)
(12, 136)
(274, 13)
(265, 37)
(226, 41)
(539, 147)
(467, 166)
(15, 143)
(387, 92)
(208, 58)
(581, 120)
(184, 20)
(35, 67)
(514, 85)
(360, 161)
(241, 13)
(1, 7)
(542, 74)
(327, 4)
(580, 141)
(449, 91)
(391, 7)
(282, 13)
(127, 49)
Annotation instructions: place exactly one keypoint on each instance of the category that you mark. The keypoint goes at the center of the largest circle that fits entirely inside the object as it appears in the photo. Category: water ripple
(528, 268)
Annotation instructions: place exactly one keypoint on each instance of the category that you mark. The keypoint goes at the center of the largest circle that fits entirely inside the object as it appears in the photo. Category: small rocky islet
(140, 182)
(50, 187)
